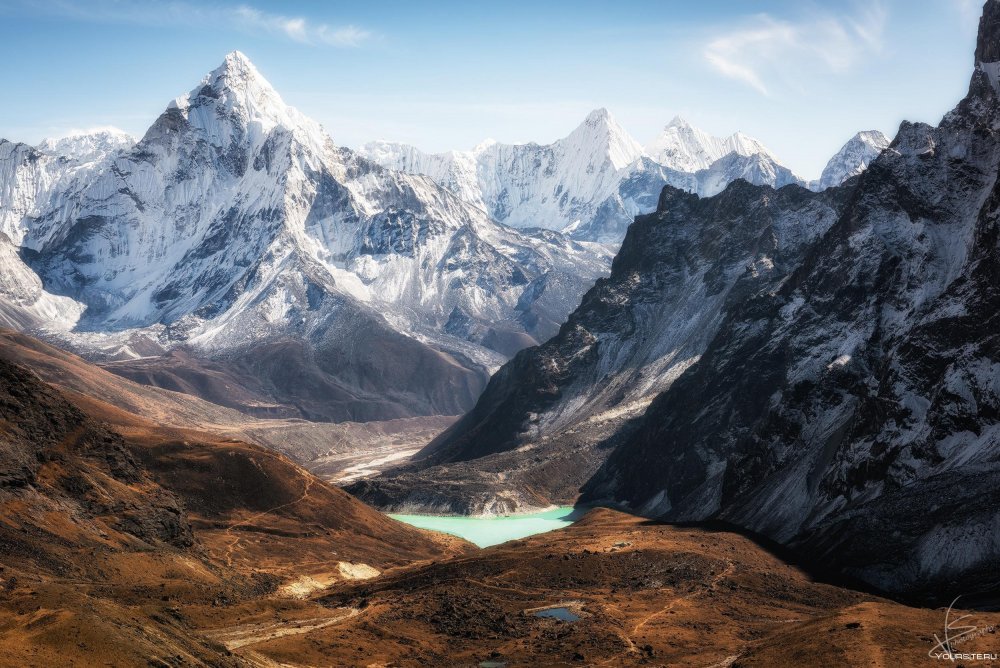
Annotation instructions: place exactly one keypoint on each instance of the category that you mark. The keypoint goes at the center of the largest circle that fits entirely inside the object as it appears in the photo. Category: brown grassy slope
(70, 372)
(107, 542)
(322, 446)
(647, 594)
(177, 547)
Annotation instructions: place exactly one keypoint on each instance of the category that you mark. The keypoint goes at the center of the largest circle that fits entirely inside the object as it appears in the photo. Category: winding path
(236, 539)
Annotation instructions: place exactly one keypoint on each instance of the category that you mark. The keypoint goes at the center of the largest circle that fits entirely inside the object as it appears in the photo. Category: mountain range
(236, 253)
(236, 230)
(235, 245)
(136, 538)
(592, 183)
(819, 368)
(774, 403)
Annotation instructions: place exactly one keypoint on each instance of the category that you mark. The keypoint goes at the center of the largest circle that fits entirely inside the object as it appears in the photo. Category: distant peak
(598, 116)
(600, 123)
(874, 137)
(100, 131)
(238, 57)
(677, 122)
(686, 148)
(484, 145)
(384, 143)
(600, 134)
(87, 144)
(236, 69)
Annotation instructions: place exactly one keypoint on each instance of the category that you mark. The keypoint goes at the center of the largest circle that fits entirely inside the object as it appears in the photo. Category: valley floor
(125, 542)
(645, 594)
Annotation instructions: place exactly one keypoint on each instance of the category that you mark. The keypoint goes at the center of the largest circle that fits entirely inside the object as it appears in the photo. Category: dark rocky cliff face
(853, 412)
(692, 257)
(826, 369)
(549, 417)
(988, 43)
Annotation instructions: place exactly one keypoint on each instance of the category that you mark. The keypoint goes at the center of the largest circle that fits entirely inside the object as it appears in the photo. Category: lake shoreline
(489, 530)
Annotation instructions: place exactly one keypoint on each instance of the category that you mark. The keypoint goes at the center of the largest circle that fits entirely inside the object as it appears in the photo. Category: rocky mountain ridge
(593, 183)
(236, 229)
(853, 412)
(565, 403)
(839, 394)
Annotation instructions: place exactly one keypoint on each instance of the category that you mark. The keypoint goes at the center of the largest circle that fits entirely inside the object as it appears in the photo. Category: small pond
(562, 614)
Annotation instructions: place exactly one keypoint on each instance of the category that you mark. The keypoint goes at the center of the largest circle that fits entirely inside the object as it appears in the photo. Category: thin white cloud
(348, 36)
(300, 30)
(244, 18)
(769, 51)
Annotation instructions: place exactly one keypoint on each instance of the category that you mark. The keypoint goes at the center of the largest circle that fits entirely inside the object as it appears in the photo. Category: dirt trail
(698, 592)
(236, 538)
(877, 653)
(628, 638)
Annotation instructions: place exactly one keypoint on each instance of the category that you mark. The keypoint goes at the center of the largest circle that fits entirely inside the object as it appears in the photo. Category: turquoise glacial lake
(486, 531)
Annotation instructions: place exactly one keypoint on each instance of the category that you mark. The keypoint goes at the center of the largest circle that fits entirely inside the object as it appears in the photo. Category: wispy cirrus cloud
(300, 30)
(243, 17)
(767, 51)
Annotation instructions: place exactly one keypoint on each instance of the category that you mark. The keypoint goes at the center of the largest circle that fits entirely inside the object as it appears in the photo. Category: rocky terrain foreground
(111, 527)
(125, 542)
(644, 594)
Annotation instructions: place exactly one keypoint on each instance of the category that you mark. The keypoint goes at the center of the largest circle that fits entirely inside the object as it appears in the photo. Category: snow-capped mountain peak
(528, 185)
(852, 159)
(677, 122)
(601, 136)
(685, 148)
(236, 98)
(597, 116)
(237, 62)
(34, 179)
(484, 146)
(872, 139)
(746, 145)
(236, 219)
(240, 78)
(591, 183)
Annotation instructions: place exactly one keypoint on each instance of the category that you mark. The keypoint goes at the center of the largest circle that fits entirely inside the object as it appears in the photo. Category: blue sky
(800, 76)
